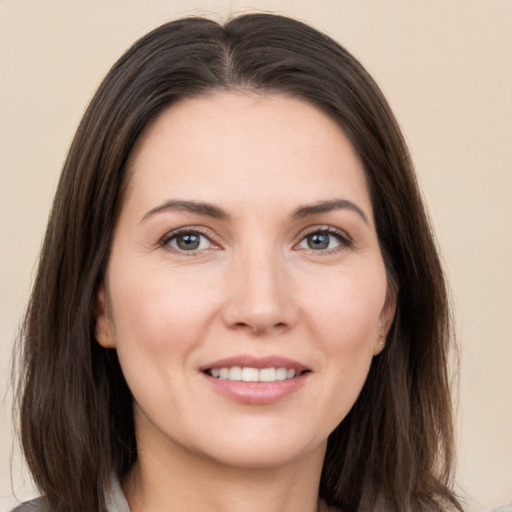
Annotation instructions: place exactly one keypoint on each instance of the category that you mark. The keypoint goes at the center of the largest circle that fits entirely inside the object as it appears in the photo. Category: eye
(187, 241)
(324, 240)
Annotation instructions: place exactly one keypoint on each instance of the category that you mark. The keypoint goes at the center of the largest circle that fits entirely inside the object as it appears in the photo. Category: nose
(260, 295)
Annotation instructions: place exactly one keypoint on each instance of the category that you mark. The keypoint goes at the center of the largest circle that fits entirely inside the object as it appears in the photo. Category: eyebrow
(210, 210)
(201, 208)
(328, 206)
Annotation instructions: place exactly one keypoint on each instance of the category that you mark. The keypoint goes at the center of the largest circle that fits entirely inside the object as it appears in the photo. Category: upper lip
(248, 361)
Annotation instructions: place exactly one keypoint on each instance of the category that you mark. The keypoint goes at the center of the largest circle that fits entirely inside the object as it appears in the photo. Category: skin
(256, 285)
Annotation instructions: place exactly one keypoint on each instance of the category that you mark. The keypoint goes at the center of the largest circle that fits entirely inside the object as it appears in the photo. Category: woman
(239, 304)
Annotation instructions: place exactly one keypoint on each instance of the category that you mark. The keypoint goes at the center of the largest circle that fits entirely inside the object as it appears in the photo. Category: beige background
(446, 68)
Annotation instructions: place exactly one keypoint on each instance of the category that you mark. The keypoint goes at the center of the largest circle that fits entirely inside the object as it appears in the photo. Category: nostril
(260, 327)
(242, 325)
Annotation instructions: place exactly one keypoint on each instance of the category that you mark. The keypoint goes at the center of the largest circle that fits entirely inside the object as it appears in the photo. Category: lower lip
(257, 393)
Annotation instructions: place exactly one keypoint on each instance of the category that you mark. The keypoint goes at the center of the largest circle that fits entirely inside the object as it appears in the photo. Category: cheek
(349, 309)
(160, 318)
(346, 323)
(159, 306)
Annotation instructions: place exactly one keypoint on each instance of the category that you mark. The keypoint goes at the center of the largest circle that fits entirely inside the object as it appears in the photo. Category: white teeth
(235, 373)
(281, 374)
(248, 374)
(267, 374)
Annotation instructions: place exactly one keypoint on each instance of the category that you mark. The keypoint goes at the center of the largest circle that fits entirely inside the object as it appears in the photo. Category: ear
(385, 321)
(104, 328)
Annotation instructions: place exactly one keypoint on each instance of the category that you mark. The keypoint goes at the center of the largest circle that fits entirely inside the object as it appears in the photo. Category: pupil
(318, 241)
(188, 242)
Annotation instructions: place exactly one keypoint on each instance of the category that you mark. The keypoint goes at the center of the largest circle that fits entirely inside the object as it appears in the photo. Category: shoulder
(115, 501)
(503, 508)
(36, 505)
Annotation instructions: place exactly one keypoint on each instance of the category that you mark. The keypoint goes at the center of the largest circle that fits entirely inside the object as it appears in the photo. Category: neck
(176, 479)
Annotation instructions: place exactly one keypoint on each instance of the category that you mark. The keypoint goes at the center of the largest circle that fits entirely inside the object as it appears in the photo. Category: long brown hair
(393, 452)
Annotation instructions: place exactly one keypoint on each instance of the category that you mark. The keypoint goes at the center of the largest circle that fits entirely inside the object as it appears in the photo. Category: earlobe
(379, 345)
(104, 329)
(386, 320)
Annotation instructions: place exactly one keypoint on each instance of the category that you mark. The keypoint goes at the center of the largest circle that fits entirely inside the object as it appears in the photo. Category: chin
(267, 448)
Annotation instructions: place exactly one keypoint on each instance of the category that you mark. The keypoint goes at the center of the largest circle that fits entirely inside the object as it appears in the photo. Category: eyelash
(173, 235)
(344, 240)
(341, 236)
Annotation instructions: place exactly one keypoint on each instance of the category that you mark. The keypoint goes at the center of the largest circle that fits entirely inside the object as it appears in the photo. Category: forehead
(245, 145)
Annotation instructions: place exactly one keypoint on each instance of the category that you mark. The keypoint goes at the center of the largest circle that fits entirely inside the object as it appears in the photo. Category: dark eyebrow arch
(328, 206)
(201, 208)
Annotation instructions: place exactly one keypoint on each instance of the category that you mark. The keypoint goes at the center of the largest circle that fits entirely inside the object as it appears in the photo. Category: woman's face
(245, 292)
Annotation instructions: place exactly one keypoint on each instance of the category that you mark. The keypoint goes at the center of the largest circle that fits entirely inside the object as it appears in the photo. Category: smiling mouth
(249, 374)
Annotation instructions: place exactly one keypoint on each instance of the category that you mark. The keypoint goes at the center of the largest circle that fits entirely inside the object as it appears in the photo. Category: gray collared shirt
(116, 501)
